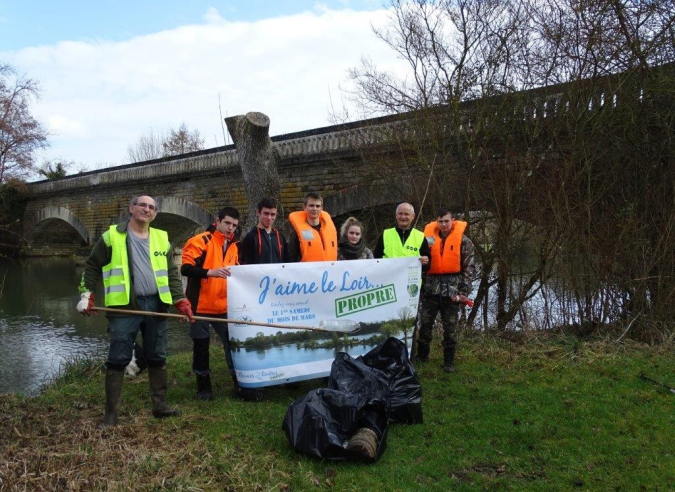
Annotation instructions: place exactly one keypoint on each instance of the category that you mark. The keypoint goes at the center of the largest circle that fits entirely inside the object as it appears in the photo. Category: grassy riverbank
(543, 413)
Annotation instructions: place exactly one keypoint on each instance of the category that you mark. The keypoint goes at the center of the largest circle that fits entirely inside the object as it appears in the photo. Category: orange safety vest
(208, 295)
(315, 245)
(447, 260)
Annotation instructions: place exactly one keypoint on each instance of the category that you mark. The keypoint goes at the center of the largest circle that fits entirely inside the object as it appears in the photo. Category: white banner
(381, 296)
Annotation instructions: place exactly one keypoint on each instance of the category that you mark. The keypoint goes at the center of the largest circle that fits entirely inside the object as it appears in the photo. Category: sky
(113, 71)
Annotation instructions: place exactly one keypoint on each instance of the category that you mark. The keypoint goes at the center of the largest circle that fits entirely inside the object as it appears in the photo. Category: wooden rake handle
(206, 318)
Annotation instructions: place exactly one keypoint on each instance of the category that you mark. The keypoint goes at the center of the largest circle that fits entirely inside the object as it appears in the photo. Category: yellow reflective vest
(393, 248)
(116, 275)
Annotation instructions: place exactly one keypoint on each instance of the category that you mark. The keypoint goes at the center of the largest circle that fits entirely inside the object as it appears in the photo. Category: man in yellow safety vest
(136, 263)
(403, 240)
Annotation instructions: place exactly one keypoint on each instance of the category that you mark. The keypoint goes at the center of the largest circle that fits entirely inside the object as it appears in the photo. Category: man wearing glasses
(136, 263)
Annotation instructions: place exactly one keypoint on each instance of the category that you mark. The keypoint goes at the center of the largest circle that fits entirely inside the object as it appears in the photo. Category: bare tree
(462, 56)
(21, 135)
(538, 112)
(156, 144)
(147, 147)
(182, 141)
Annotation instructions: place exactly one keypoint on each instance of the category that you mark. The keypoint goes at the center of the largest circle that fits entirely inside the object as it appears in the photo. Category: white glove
(86, 304)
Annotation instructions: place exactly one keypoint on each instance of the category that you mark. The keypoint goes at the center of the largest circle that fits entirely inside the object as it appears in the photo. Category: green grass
(545, 413)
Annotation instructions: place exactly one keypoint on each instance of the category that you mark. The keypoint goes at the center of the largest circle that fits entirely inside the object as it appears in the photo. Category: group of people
(139, 274)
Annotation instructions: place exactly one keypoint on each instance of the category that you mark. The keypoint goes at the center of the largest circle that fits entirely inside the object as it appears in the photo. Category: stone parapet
(191, 188)
(141, 172)
(316, 147)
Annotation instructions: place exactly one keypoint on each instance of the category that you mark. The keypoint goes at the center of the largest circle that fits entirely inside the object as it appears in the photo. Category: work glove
(86, 305)
(184, 308)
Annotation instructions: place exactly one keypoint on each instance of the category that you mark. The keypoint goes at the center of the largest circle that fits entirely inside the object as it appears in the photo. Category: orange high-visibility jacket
(447, 260)
(315, 245)
(208, 295)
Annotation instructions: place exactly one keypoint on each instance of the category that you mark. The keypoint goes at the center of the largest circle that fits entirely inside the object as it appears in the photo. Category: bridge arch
(181, 218)
(184, 208)
(47, 223)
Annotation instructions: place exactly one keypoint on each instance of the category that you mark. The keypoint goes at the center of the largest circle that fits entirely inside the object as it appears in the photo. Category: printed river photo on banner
(379, 297)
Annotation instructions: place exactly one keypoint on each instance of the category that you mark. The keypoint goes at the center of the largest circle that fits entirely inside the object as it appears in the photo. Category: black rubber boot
(449, 359)
(204, 390)
(113, 397)
(160, 409)
(422, 352)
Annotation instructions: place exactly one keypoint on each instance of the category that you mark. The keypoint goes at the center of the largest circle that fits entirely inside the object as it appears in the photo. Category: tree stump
(257, 159)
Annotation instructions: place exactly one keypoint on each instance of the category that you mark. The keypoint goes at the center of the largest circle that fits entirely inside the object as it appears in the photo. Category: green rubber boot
(113, 397)
(158, 385)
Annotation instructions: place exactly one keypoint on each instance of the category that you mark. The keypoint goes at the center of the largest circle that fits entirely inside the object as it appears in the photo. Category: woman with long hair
(351, 245)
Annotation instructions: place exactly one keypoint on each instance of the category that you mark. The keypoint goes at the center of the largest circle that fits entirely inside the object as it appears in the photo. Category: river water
(40, 328)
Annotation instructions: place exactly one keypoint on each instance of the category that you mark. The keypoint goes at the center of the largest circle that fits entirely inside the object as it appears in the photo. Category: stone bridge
(349, 164)
(65, 215)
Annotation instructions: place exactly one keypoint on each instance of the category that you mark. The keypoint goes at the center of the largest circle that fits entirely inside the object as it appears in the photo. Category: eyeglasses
(146, 205)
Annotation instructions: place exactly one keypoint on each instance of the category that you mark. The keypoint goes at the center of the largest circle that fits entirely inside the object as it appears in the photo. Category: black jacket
(259, 247)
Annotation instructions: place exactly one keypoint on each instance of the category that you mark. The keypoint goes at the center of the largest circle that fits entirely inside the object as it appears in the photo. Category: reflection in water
(40, 328)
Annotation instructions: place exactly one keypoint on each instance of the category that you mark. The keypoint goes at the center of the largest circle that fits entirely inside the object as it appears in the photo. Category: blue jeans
(123, 331)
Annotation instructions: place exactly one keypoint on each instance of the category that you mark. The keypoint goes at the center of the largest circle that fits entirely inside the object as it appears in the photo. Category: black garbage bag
(322, 422)
(355, 376)
(349, 419)
(404, 402)
(384, 373)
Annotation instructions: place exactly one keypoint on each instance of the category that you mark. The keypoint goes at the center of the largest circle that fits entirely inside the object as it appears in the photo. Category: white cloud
(66, 127)
(212, 16)
(100, 96)
(320, 7)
